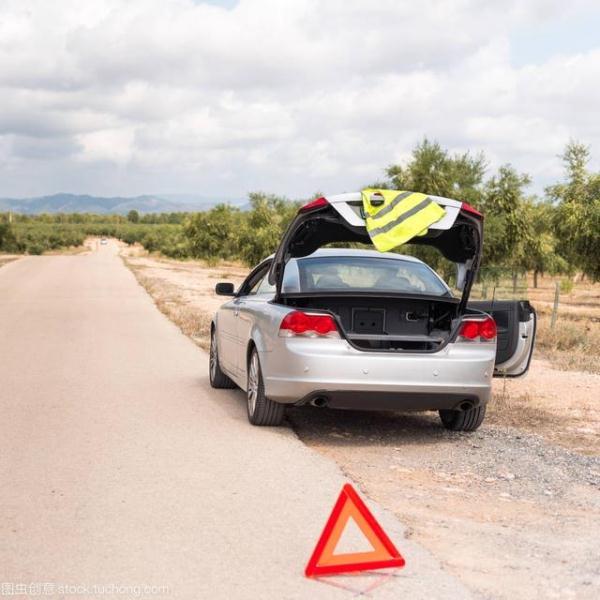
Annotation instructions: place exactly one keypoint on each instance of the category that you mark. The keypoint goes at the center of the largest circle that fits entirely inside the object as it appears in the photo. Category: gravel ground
(509, 514)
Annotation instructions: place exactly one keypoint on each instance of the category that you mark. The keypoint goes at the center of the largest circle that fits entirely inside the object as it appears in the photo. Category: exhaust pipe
(319, 402)
(466, 405)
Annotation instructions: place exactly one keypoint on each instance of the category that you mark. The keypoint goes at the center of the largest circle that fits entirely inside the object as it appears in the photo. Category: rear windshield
(362, 274)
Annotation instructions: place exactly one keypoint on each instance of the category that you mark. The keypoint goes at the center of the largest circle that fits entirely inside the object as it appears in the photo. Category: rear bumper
(298, 370)
(369, 400)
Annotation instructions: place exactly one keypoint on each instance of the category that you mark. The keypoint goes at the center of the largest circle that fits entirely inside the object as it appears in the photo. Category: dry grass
(6, 258)
(557, 404)
(559, 397)
(520, 410)
(568, 425)
(573, 344)
(171, 302)
(183, 290)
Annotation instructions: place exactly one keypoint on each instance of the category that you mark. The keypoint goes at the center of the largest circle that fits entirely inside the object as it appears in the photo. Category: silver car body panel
(295, 367)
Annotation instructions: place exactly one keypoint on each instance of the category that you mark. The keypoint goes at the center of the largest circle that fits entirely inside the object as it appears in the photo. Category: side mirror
(224, 289)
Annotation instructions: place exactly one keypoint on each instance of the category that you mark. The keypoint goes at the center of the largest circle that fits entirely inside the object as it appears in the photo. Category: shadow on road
(364, 428)
(325, 426)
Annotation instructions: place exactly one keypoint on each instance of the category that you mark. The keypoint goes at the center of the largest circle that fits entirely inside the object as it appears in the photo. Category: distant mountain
(198, 200)
(83, 203)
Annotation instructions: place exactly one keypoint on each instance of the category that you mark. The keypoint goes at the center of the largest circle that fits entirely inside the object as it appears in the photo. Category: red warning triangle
(323, 560)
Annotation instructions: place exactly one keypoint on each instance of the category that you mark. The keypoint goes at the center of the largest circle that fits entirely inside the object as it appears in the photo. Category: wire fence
(495, 283)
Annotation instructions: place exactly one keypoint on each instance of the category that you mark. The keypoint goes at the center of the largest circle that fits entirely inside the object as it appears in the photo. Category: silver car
(360, 329)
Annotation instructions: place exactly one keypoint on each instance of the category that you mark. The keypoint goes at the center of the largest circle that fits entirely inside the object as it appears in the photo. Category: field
(557, 399)
(524, 481)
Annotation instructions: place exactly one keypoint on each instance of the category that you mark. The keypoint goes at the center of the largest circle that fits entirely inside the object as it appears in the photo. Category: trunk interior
(393, 324)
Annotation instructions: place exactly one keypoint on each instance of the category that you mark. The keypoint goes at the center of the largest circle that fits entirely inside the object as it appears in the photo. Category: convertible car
(361, 329)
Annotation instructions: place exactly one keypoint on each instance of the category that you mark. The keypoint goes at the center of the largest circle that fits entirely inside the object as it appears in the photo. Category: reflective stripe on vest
(398, 216)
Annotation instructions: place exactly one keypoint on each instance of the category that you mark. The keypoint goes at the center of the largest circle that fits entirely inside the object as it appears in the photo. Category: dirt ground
(6, 258)
(512, 509)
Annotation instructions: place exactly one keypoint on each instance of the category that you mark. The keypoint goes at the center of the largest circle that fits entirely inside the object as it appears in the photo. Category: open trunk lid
(458, 236)
(340, 218)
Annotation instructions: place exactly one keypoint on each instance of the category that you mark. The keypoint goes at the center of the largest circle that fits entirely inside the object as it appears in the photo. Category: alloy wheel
(213, 357)
(253, 376)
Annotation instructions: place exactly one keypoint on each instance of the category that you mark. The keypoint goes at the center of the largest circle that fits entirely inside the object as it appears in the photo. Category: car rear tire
(261, 410)
(218, 379)
(463, 420)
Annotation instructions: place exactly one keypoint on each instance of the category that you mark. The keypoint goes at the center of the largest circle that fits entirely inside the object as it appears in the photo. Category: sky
(127, 97)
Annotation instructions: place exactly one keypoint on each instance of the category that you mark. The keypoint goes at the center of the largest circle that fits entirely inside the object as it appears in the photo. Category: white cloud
(132, 96)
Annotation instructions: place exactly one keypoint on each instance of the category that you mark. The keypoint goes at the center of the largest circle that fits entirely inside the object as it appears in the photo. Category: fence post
(555, 307)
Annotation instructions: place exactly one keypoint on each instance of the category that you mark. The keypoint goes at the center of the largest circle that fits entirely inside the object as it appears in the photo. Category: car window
(265, 287)
(364, 273)
(261, 286)
(254, 289)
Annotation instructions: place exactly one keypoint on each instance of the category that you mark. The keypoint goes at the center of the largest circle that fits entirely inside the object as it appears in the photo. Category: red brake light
(324, 325)
(297, 322)
(470, 209)
(314, 205)
(482, 330)
(300, 323)
(487, 329)
(469, 330)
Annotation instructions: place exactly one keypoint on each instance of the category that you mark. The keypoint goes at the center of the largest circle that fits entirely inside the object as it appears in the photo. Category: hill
(83, 203)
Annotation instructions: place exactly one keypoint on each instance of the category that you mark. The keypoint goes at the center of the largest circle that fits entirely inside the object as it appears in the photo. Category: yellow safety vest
(400, 217)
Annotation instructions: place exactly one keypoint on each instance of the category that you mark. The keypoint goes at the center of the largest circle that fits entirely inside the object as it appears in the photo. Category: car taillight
(487, 329)
(309, 325)
(477, 330)
(471, 209)
(314, 205)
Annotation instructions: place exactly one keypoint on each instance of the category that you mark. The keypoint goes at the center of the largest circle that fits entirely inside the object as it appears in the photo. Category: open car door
(516, 323)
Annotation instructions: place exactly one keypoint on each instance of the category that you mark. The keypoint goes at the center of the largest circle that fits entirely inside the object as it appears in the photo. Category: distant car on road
(360, 329)
(104, 241)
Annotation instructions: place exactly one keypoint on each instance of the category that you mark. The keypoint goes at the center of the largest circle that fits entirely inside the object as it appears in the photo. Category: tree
(133, 216)
(577, 219)
(265, 225)
(214, 234)
(7, 238)
(432, 170)
(589, 235)
(539, 251)
(508, 228)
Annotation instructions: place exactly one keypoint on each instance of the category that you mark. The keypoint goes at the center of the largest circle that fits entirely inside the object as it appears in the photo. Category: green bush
(35, 248)
(566, 286)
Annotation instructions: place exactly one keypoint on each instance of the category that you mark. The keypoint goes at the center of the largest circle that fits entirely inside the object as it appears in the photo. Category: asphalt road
(120, 466)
